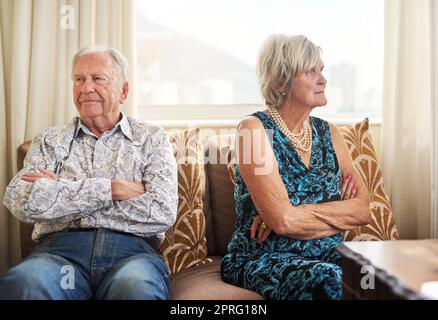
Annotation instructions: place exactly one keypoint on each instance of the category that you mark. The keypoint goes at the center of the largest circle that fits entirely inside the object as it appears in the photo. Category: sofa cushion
(362, 151)
(209, 231)
(204, 282)
(184, 244)
(221, 200)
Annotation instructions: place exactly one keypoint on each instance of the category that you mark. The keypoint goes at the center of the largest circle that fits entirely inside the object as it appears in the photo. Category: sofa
(194, 246)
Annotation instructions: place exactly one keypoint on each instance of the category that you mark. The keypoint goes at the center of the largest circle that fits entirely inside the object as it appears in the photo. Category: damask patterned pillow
(383, 226)
(184, 244)
(359, 142)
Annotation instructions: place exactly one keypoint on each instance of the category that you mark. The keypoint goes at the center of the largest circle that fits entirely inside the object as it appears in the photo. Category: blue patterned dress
(282, 267)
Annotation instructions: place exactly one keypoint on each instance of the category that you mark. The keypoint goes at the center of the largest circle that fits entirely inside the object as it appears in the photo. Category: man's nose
(87, 86)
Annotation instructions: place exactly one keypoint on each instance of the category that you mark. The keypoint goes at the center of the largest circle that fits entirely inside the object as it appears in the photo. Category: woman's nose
(322, 80)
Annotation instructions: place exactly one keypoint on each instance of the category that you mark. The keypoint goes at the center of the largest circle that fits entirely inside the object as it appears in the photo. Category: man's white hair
(281, 58)
(116, 55)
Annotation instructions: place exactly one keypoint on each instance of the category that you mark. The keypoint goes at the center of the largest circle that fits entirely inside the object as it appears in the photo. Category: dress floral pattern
(283, 267)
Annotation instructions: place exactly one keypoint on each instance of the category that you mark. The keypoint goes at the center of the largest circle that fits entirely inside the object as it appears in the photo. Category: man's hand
(34, 176)
(125, 190)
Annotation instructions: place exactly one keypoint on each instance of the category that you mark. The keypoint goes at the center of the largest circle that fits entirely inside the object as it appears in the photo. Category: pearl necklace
(302, 140)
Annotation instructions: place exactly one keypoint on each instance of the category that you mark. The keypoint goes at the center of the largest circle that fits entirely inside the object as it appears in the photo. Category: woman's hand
(261, 227)
(348, 187)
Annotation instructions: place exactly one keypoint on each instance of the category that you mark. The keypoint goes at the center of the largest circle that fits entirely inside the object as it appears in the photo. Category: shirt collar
(125, 126)
(123, 123)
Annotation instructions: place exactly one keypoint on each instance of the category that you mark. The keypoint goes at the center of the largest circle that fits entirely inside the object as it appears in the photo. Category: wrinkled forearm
(57, 201)
(343, 215)
(301, 225)
(311, 221)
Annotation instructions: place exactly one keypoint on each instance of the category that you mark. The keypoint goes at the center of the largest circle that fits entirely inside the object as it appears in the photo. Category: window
(196, 58)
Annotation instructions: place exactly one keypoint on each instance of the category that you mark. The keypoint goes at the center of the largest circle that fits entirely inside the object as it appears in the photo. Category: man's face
(97, 91)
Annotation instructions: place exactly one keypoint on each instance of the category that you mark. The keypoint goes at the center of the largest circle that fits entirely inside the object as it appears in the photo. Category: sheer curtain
(434, 120)
(407, 111)
(38, 39)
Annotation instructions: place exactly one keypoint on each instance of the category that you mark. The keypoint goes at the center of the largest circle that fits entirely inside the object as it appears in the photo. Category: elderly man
(101, 191)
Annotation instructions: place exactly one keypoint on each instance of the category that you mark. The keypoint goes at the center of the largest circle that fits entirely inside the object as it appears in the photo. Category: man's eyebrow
(92, 74)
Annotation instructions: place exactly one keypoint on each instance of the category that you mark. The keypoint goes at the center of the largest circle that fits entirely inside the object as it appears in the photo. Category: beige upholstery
(203, 281)
(221, 194)
(184, 245)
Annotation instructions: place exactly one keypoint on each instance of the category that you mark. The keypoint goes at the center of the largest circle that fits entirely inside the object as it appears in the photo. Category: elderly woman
(311, 193)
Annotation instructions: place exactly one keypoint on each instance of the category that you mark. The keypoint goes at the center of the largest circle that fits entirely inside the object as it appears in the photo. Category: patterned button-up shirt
(85, 165)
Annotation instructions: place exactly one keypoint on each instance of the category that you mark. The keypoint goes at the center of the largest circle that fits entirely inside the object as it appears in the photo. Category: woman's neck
(294, 116)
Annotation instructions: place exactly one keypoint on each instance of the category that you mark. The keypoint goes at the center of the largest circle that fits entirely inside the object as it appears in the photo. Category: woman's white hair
(281, 58)
(117, 57)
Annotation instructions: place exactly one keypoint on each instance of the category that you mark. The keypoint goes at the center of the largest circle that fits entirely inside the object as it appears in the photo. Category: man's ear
(125, 90)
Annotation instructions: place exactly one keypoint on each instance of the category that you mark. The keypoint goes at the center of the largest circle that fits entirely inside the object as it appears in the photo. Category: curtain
(434, 120)
(407, 109)
(38, 39)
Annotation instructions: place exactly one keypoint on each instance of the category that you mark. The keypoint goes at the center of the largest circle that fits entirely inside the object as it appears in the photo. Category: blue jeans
(86, 264)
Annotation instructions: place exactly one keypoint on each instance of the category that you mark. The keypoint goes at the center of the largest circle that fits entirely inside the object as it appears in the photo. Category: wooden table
(399, 268)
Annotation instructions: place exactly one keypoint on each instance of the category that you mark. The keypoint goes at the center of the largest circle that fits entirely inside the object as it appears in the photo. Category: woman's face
(308, 88)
